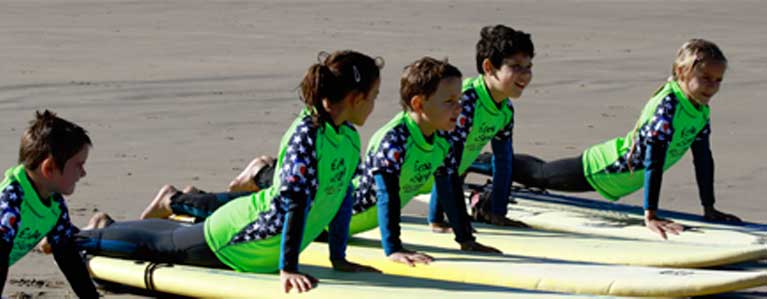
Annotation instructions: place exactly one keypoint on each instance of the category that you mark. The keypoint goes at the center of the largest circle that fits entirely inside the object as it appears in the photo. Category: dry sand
(186, 92)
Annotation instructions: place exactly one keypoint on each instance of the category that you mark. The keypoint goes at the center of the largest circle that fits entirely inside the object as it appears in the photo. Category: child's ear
(48, 166)
(416, 103)
(681, 72)
(359, 98)
(487, 66)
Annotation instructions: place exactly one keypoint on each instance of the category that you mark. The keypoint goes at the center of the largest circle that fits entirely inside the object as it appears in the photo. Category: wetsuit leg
(562, 175)
(201, 205)
(156, 240)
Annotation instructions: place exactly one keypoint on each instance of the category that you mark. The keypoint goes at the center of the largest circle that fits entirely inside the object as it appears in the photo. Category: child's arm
(388, 201)
(10, 217)
(5, 251)
(65, 252)
(503, 155)
(298, 187)
(72, 265)
(338, 235)
(297, 206)
(704, 175)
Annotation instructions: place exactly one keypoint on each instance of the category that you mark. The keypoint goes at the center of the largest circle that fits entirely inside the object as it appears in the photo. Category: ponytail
(336, 75)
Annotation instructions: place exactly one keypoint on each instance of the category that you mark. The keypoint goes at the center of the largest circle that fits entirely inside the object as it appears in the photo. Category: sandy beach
(187, 92)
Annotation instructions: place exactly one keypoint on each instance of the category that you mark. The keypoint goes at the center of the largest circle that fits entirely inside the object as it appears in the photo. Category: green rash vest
(24, 218)
(399, 149)
(480, 120)
(316, 164)
(614, 170)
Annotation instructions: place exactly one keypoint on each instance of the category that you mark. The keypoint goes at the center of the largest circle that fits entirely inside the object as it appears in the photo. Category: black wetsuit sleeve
(293, 231)
(5, 251)
(654, 159)
(387, 193)
(704, 168)
(65, 252)
(73, 266)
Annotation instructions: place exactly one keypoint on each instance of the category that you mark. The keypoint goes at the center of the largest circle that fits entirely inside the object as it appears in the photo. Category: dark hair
(50, 135)
(500, 42)
(335, 76)
(422, 77)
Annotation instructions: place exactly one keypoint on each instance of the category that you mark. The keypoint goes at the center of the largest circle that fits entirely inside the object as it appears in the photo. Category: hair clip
(357, 76)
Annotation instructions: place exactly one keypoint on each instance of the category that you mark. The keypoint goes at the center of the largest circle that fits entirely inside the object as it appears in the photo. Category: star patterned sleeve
(298, 186)
(659, 129)
(391, 153)
(299, 168)
(63, 231)
(10, 216)
(465, 119)
(657, 135)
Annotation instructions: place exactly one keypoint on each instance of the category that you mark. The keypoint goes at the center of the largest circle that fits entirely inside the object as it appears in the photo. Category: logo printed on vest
(485, 131)
(337, 168)
(422, 172)
(26, 238)
(688, 137)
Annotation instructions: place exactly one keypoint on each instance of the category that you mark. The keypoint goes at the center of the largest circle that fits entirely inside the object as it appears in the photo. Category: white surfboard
(575, 215)
(541, 274)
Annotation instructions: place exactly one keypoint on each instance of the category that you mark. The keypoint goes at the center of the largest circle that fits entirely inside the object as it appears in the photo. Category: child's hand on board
(302, 282)
(411, 257)
(661, 226)
(347, 266)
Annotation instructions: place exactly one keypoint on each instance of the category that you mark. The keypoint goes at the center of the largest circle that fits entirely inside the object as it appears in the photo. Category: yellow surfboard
(544, 275)
(216, 283)
(584, 248)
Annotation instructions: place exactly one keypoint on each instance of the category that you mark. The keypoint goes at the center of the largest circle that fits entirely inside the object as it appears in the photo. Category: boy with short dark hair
(504, 61)
(52, 156)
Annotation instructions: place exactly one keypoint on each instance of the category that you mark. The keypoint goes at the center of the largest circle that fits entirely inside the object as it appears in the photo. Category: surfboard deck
(542, 274)
(552, 211)
(564, 214)
(582, 247)
(627, 222)
(218, 283)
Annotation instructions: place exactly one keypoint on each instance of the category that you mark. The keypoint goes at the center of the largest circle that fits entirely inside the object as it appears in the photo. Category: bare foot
(43, 247)
(191, 189)
(244, 181)
(440, 228)
(99, 220)
(160, 206)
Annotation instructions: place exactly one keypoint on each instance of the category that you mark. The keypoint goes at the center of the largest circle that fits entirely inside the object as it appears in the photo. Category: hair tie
(379, 62)
(322, 57)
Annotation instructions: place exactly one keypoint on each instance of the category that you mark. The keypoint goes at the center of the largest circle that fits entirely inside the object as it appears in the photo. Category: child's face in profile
(514, 75)
(443, 107)
(64, 181)
(365, 106)
(702, 82)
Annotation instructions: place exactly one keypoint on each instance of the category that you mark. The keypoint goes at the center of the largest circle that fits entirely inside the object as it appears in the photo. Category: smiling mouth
(520, 85)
